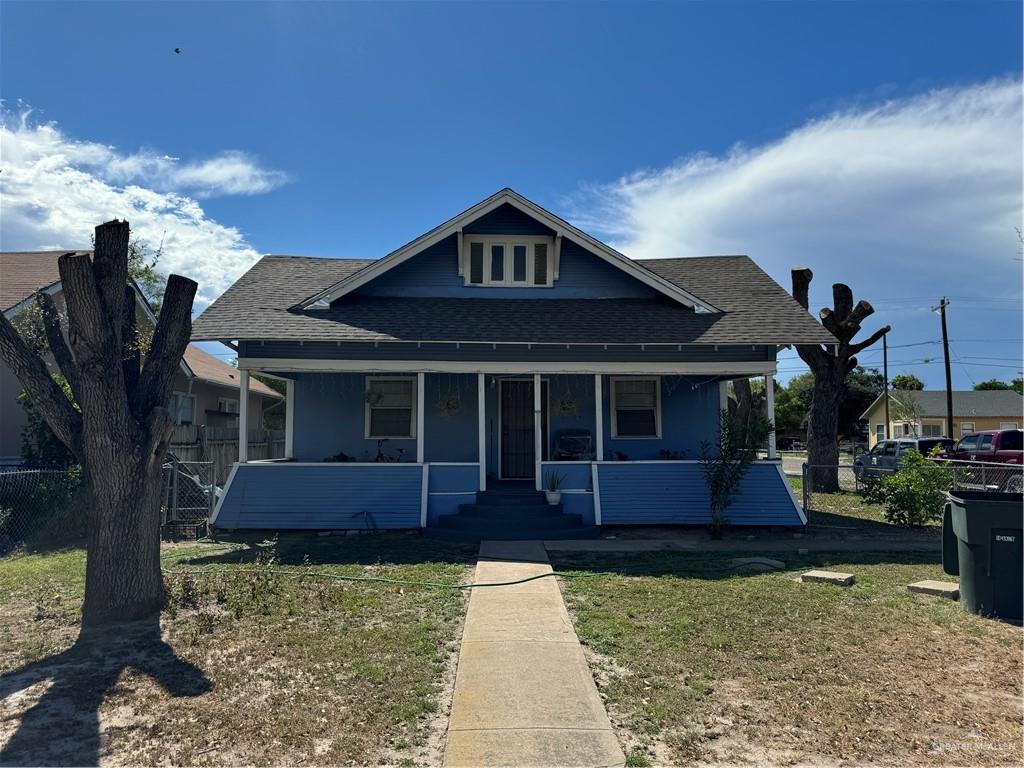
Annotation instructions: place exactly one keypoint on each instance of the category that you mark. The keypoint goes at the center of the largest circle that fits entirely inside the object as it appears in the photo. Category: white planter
(553, 497)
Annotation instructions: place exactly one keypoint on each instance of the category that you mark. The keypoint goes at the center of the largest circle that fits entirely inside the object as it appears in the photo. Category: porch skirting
(352, 496)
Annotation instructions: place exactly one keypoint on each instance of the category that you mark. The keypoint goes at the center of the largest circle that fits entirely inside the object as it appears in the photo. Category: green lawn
(850, 510)
(698, 663)
(297, 668)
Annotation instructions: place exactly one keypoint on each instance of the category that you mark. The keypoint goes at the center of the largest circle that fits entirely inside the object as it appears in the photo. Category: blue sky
(878, 143)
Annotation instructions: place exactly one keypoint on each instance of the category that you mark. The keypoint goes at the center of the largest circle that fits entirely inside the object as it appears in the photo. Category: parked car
(886, 456)
(1003, 446)
(995, 446)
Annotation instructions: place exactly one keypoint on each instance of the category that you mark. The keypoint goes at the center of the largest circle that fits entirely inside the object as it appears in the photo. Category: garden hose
(213, 569)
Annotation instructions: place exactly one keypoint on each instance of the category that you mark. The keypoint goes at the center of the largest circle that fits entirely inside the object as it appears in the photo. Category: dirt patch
(428, 747)
(248, 666)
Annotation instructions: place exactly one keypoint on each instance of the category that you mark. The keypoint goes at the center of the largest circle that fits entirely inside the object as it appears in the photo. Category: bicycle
(384, 458)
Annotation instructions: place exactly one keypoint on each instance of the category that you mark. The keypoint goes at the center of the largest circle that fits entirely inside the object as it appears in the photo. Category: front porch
(406, 448)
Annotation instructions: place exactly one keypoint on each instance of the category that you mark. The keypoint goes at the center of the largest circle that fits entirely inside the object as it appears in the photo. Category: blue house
(442, 385)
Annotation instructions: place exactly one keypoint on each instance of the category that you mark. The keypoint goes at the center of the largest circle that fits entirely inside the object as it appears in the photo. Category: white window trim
(509, 242)
(177, 408)
(1008, 425)
(964, 428)
(367, 407)
(657, 407)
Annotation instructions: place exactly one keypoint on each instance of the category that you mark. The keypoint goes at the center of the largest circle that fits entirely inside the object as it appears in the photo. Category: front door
(517, 443)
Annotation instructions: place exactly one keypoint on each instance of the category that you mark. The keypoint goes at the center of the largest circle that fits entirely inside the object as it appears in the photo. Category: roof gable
(494, 207)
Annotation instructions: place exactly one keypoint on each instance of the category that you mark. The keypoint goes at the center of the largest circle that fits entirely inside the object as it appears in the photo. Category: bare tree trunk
(121, 428)
(123, 581)
(822, 428)
(830, 365)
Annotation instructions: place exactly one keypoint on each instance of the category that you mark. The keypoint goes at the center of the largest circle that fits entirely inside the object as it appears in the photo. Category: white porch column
(243, 416)
(420, 437)
(481, 409)
(723, 395)
(598, 418)
(537, 436)
(769, 391)
(289, 419)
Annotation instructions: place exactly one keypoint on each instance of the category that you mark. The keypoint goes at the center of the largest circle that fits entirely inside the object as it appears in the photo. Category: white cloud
(917, 195)
(56, 189)
(905, 202)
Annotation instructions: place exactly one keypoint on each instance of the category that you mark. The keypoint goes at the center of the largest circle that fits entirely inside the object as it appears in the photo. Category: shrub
(725, 465)
(916, 494)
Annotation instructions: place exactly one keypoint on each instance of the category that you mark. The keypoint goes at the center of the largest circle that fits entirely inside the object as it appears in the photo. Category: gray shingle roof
(756, 310)
(969, 402)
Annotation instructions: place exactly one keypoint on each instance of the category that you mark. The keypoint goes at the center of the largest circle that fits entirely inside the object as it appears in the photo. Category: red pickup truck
(997, 446)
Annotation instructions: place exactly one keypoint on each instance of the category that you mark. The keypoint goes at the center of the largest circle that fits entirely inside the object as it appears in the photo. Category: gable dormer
(505, 247)
(509, 261)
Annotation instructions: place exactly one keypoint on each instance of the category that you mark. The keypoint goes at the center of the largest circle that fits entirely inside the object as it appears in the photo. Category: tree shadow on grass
(396, 548)
(62, 727)
(837, 522)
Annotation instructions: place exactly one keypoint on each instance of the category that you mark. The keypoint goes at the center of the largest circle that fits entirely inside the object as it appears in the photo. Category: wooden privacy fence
(219, 445)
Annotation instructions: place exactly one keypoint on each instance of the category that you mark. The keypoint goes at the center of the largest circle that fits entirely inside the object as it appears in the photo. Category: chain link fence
(190, 494)
(49, 507)
(847, 489)
(44, 507)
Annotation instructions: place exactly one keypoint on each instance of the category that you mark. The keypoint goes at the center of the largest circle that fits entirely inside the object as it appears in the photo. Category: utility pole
(943, 303)
(885, 376)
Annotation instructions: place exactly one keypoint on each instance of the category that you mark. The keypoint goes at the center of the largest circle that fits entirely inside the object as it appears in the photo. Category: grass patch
(698, 663)
(299, 668)
(850, 510)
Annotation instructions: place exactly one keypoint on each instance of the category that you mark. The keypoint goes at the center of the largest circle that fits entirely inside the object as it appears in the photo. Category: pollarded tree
(121, 427)
(830, 366)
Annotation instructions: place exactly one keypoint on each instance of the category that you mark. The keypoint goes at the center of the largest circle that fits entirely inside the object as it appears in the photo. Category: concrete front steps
(511, 515)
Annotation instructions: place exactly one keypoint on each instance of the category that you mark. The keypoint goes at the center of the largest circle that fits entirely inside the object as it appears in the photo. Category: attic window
(508, 261)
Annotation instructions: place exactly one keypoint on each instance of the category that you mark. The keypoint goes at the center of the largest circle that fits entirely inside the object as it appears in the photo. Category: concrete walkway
(524, 694)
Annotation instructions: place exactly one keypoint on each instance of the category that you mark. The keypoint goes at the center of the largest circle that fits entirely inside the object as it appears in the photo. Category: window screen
(519, 263)
(497, 263)
(636, 408)
(389, 408)
(540, 264)
(476, 263)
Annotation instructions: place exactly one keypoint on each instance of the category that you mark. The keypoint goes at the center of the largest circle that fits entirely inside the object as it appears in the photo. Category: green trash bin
(983, 543)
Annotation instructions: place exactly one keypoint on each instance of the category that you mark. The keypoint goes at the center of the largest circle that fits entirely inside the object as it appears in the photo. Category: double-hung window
(390, 407)
(636, 407)
(508, 261)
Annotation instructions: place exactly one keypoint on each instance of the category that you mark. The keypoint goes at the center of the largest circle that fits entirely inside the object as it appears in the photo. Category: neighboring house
(501, 347)
(205, 389)
(922, 413)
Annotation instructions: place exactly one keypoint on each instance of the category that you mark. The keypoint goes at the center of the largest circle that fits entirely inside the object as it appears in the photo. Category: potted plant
(553, 480)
